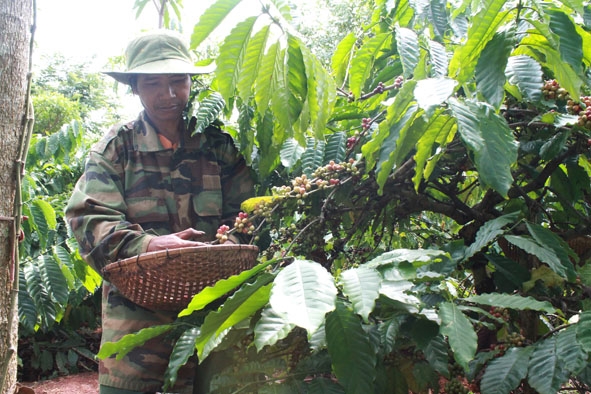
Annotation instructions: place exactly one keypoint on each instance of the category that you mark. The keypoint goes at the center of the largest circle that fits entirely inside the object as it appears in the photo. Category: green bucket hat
(159, 52)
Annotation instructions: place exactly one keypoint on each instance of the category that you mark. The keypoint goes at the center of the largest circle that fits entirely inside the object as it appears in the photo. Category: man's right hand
(183, 239)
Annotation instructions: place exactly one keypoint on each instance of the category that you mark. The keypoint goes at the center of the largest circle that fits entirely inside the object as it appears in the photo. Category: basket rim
(177, 252)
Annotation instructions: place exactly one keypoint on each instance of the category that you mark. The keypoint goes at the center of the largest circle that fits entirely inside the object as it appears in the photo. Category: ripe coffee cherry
(380, 88)
(351, 141)
(366, 123)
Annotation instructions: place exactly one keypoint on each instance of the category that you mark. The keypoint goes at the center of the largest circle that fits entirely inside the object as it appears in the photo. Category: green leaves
(303, 293)
(276, 74)
(27, 310)
(219, 289)
(291, 101)
(271, 328)
(291, 153)
(53, 279)
(460, 333)
(37, 291)
(545, 364)
(526, 74)
(265, 82)
(183, 349)
(433, 92)
(488, 233)
(546, 371)
(490, 140)
(408, 48)
(543, 46)
(569, 351)
(361, 286)
(353, 358)
(438, 56)
(313, 156)
(482, 30)
(321, 89)
(511, 301)
(545, 253)
(209, 110)
(243, 304)
(364, 60)
(583, 334)
(398, 118)
(232, 54)
(211, 19)
(342, 57)
(417, 257)
(504, 374)
(44, 218)
(46, 285)
(253, 59)
(490, 69)
(130, 341)
(440, 130)
(569, 41)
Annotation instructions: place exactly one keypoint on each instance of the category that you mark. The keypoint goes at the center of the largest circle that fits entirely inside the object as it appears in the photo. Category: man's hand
(183, 239)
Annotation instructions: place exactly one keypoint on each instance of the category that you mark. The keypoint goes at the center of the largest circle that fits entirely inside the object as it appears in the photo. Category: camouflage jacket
(134, 189)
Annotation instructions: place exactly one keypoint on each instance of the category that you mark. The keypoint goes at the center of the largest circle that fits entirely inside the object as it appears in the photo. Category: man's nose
(171, 91)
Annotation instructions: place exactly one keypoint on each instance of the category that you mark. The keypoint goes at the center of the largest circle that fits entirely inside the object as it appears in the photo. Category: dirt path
(82, 383)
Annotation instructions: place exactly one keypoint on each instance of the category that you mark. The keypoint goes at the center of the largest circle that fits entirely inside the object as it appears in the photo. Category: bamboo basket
(168, 279)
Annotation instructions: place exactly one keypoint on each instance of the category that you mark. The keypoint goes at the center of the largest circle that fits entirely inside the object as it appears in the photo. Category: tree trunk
(15, 37)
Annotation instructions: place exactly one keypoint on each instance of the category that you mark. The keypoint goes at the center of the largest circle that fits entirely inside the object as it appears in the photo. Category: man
(149, 185)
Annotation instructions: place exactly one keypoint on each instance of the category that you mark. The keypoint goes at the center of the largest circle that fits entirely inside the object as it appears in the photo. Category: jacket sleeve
(96, 215)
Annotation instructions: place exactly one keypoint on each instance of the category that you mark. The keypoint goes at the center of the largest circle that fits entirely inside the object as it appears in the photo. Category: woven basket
(168, 279)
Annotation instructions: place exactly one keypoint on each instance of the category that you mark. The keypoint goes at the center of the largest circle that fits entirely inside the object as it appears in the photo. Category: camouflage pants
(142, 369)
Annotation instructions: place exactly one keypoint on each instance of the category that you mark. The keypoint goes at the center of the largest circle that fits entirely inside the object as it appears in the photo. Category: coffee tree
(423, 211)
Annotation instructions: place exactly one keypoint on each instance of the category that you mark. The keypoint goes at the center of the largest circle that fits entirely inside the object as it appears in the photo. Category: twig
(300, 233)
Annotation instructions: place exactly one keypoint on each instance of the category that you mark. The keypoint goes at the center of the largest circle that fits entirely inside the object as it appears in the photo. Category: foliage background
(59, 301)
(423, 210)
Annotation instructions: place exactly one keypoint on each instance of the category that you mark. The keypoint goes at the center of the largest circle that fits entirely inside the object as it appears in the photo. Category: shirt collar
(148, 139)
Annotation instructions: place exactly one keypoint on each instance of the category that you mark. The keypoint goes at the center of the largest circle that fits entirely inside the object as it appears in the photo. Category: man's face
(164, 96)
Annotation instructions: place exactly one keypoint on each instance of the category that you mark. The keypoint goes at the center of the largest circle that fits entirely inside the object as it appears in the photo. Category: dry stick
(27, 126)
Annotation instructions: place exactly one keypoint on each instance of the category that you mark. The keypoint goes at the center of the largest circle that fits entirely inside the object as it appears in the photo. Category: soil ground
(81, 383)
(83, 380)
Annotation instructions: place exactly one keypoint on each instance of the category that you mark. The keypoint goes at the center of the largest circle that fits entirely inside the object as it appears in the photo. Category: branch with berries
(552, 91)
(257, 211)
(379, 89)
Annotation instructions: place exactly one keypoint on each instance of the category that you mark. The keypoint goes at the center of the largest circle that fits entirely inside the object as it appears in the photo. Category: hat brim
(169, 66)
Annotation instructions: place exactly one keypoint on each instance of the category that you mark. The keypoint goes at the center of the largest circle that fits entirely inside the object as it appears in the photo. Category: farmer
(150, 185)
